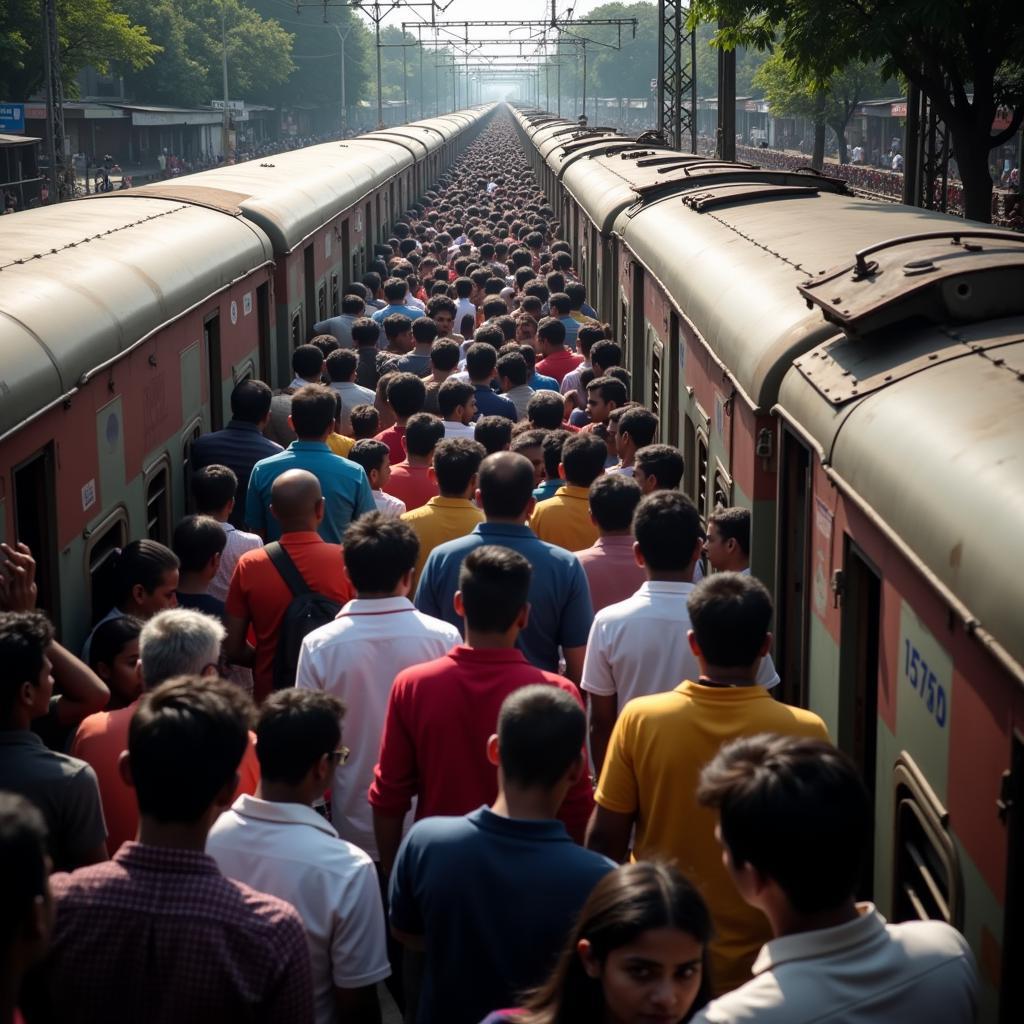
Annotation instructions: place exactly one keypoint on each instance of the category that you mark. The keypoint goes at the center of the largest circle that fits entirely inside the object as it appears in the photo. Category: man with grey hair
(175, 642)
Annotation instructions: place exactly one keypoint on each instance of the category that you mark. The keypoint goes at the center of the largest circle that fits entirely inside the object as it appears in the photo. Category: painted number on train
(923, 680)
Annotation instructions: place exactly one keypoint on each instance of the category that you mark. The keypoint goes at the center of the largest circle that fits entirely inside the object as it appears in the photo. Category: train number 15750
(922, 679)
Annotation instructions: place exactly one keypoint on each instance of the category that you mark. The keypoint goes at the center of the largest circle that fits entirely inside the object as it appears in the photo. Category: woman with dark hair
(636, 956)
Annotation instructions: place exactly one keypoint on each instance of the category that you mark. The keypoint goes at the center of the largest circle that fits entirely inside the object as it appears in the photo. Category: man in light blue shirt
(346, 490)
(394, 292)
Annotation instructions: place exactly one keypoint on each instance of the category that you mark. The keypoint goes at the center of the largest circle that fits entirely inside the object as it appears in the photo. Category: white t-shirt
(356, 657)
(453, 429)
(389, 504)
(238, 543)
(639, 646)
(290, 851)
(464, 308)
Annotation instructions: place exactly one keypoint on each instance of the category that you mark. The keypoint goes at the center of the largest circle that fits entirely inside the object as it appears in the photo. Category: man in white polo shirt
(640, 646)
(795, 827)
(276, 843)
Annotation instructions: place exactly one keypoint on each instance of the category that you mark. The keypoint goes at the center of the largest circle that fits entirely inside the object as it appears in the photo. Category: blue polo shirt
(541, 383)
(410, 311)
(547, 489)
(346, 489)
(560, 608)
(494, 898)
(490, 404)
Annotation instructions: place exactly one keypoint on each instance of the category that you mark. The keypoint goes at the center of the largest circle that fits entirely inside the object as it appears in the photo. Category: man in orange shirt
(411, 481)
(176, 642)
(258, 595)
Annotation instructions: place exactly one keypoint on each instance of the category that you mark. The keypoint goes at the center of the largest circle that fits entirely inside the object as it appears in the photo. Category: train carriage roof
(83, 281)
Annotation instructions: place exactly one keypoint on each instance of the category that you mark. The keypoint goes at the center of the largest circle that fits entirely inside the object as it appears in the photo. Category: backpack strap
(283, 563)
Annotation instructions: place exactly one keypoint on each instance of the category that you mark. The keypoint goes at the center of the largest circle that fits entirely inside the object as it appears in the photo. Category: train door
(634, 343)
(348, 269)
(263, 331)
(368, 236)
(792, 545)
(309, 290)
(860, 625)
(1011, 998)
(592, 281)
(672, 382)
(35, 523)
(655, 384)
(211, 342)
(379, 222)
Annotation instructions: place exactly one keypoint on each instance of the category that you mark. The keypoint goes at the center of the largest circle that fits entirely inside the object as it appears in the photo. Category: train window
(158, 501)
(191, 433)
(335, 295)
(722, 494)
(700, 474)
(297, 328)
(347, 260)
(244, 371)
(927, 882)
(35, 522)
(689, 457)
(211, 339)
(321, 302)
(309, 290)
(655, 375)
(102, 544)
(624, 322)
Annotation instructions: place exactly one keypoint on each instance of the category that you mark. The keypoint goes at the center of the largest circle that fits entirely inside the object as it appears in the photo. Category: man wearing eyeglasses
(278, 844)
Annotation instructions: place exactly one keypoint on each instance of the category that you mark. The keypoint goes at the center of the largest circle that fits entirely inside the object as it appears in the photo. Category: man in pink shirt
(558, 360)
(406, 395)
(611, 567)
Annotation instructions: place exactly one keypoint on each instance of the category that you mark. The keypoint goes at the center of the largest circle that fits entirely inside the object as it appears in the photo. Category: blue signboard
(12, 118)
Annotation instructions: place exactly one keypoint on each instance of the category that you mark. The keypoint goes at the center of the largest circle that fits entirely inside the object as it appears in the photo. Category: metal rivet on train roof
(933, 355)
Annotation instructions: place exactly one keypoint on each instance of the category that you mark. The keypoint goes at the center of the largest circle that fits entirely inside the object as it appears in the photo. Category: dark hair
(452, 394)
(551, 449)
(506, 485)
(406, 394)
(439, 304)
(797, 811)
(141, 563)
(369, 454)
(365, 420)
(314, 409)
(489, 334)
(494, 307)
(24, 638)
(307, 361)
(494, 433)
(577, 293)
(610, 389)
(524, 436)
(640, 424)
(198, 725)
(551, 330)
(546, 410)
(588, 336)
(395, 324)
(463, 287)
(513, 366)
(663, 462)
(560, 303)
(295, 729)
(422, 433)
(619, 373)
(555, 280)
(606, 353)
(541, 731)
(379, 550)
(352, 304)
(667, 527)
(22, 863)
(327, 343)
(626, 903)
(495, 585)
(444, 354)
(341, 364)
(613, 500)
(456, 460)
(371, 281)
(583, 456)
(394, 290)
(250, 400)
(424, 329)
(730, 613)
(481, 360)
(733, 524)
(365, 332)
(196, 540)
(110, 638)
(213, 487)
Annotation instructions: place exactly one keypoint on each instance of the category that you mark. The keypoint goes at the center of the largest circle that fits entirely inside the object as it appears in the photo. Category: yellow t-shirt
(340, 444)
(565, 519)
(657, 749)
(441, 520)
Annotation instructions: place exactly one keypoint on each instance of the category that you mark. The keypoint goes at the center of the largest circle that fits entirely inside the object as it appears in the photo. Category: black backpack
(308, 611)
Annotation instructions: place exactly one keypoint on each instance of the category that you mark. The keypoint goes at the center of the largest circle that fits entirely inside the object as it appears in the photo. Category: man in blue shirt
(491, 895)
(346, 490)
(560, 608)
(561, 307)
(394, 292)
(481, 365)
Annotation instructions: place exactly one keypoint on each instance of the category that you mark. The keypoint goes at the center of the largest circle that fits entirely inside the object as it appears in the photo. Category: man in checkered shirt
(158, 934)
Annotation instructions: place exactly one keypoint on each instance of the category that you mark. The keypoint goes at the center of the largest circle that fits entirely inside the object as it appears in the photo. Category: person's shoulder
(73, 888)
(457, 547)
(441, 829)
(924, 939)
(437, 627)
(416, 675)
(253, 557)
(799, 720)
(265, 915)
(614, 614)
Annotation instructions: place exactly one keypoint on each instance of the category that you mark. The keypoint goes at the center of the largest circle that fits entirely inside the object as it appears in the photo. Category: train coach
(127, 319)
(854, 374)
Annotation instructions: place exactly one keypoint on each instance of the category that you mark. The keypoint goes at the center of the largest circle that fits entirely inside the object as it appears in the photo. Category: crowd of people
(444, 686)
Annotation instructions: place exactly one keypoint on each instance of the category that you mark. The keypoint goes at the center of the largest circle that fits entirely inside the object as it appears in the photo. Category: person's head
(398, 331)
(636, 954)
(199, 541)
(613, 501)
(583, 458)
(456, 401)
(463, 287)
(26, 908)
(636, 428)
(526, 328)
(199, 725)
(555, 282)
(728, 541)
(372, 282)
(394, 291)
(424, 331)
(308, 362)
(313, 412)
(327, 343)
(365, 422)
(441, 310)
(577, 293)
(365, 332)
(353, 305)
(213, 491)
(114, 657)
(795, 822)
(26, 683)
(494, 584)
(512, 371)
(380, 555)
(532, 306)
(374, 457)
(494, 433)
(603, 395)
(250, 401)
(559, 304)
(145, 578)
(528, 443)
(551, 451)
(545, 410)
(604, 355)
(550, 335)
(588, 336)
(730, 614)
(296, 501)
(668, 534)
(444, 356)
(422, 433)
(406, 395)
(342, 364)
(658, 467)
(481, 360)
(506, 487)
(456, 465)
(179, 642)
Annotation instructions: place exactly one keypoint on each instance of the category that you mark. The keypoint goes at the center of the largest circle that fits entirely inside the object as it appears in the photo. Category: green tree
(91, 32)
(964, 55)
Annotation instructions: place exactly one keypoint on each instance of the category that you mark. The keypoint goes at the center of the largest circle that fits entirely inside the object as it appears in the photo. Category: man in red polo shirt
(410, 480)
(558, 360)
(258, 595)
(440, 714)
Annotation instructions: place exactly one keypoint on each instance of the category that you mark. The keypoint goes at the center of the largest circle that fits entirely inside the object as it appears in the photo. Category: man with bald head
(258, 595)
(559, 597)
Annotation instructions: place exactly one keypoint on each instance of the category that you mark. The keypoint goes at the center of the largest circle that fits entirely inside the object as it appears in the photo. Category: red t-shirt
(440, 716)
(559, 363)
(412, 484)
(392, 437)
(259, 594)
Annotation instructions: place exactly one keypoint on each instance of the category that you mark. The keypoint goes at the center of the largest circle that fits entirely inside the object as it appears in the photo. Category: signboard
(654, 85)
(898, 110)
(12, 118)
(238, 105)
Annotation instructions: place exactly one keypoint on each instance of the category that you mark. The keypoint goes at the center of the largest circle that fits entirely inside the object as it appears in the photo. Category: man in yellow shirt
(661, 742)
(565, 518)
(451, 513)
